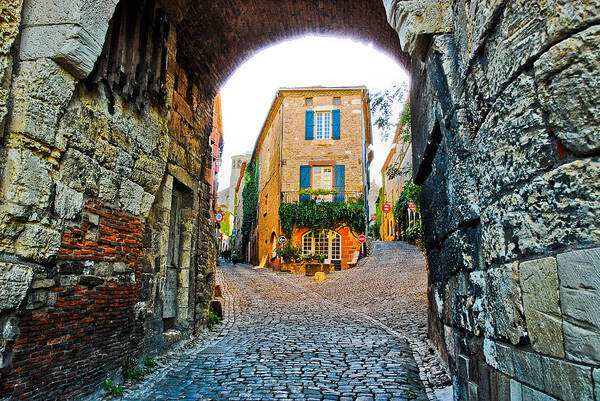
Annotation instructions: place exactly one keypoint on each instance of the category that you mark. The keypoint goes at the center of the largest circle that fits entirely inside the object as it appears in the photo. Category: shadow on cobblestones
(282, 341)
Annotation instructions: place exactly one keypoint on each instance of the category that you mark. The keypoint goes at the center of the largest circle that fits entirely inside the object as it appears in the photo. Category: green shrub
(289, 252)
(150, 363)
(131, 370)
(213, 319)
(111, 389)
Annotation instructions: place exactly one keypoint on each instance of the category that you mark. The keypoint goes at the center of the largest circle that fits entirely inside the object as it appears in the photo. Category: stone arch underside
(218, 37)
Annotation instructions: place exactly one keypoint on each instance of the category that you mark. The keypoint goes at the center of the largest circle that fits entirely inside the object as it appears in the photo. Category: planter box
(312, 268)
(293, 268)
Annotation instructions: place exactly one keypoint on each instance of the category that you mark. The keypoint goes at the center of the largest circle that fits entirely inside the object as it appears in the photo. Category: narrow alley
(287, 337)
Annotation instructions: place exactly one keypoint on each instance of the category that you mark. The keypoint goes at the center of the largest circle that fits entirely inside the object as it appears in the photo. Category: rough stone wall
(85, 200)
(504, 99)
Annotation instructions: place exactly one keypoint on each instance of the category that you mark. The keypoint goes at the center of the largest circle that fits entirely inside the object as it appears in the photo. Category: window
(337, 101)
(321, 244)
(308, 101)
(328, 243)
(307, 243)
(323, 125)
(322, 179)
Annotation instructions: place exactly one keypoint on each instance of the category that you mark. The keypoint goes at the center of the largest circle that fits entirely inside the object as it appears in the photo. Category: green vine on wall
(410, 193)
(317, 216)
(250, 199)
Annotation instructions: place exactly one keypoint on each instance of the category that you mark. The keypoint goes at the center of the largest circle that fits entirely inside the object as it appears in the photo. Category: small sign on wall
(386, 208)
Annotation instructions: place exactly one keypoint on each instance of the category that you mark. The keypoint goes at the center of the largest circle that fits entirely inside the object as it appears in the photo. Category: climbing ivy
(316, 216)
(250, 199)
(411, 192)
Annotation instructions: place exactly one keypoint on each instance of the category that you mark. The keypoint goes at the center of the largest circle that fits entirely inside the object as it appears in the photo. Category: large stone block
(131, 197)
(81, 26)
(79, 172)
(568, 381)
(14, 282)
(530, 394)
(528, 368)
(26, 178)
(68, 203)
(569, 89)
(512, 144)
(596, 375)
(38, 242)
(539, 285)
(579, 273)
(415, 21)
(40, 93)
(504, 310)
(556, 209)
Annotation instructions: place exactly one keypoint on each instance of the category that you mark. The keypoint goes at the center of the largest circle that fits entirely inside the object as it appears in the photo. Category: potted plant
(292, 257)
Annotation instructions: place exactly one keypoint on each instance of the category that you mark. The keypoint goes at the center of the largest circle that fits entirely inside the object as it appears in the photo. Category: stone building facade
(399, 159)
(299, 148)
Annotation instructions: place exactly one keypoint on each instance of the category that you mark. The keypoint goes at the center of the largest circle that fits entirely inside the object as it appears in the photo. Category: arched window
(328, 243)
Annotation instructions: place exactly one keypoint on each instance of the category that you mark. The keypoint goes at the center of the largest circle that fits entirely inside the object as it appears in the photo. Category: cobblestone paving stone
(282, 341)
(391, 287)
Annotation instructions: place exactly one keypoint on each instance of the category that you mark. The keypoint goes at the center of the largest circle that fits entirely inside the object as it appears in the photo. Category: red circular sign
(362, 238)
(373, 217)
(386, 208)
(218, 217)
(412, 206)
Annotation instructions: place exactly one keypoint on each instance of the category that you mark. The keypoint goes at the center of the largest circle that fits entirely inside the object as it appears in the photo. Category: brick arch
(216, 38)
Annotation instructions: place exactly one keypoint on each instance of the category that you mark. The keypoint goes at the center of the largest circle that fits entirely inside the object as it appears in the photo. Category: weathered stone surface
(130, 197)
(68, 203)
(80, 28)
(567, 381)
(512, 144)
(9, 29)
(80, 179)
(540, 215)
(45, 283)
(569, 90)
(40, 92)
(539, 285)
(14, 283)
(596, 375)
(37, 242)
(530, 394)
(26, 178)
(414, 20)
(516, 391)
(528, 367)
(504, 317)
(579, 273)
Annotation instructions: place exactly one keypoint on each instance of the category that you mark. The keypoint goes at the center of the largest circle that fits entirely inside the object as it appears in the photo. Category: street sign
(387, 208)
(412, 206)
(362, 238)
(282, 240)
(373, 217)
(219, 217)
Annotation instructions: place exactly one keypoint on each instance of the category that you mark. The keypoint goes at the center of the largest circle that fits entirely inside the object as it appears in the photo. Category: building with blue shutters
(313, 146)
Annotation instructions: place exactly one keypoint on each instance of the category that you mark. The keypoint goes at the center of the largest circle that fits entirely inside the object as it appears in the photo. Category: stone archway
(504, 146)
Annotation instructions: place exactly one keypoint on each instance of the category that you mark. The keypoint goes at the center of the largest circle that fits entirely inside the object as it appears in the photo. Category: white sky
(312, 60)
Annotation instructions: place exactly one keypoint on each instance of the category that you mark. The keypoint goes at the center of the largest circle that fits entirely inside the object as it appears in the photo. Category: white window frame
(332, 237)
(323, 125)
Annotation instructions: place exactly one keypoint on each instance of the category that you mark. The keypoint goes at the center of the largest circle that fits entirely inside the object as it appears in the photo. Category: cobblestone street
(282, 340)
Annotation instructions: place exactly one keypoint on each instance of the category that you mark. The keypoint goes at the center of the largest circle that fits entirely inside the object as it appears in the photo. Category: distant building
(372, 200)
(313, 139)
(238, 208)
(399, 160)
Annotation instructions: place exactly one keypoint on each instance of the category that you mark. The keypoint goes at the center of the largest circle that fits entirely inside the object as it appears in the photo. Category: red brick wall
(92, 326)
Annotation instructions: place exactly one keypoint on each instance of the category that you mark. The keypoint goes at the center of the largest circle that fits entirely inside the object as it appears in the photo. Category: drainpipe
(280, 184)
(364, 160)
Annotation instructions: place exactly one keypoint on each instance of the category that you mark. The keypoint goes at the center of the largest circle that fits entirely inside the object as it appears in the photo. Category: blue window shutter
(339, 182)
(310, 125)
(304, 181)
(335, 124)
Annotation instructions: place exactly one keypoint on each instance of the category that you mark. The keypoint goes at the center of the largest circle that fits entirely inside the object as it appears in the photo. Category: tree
(383, 105)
